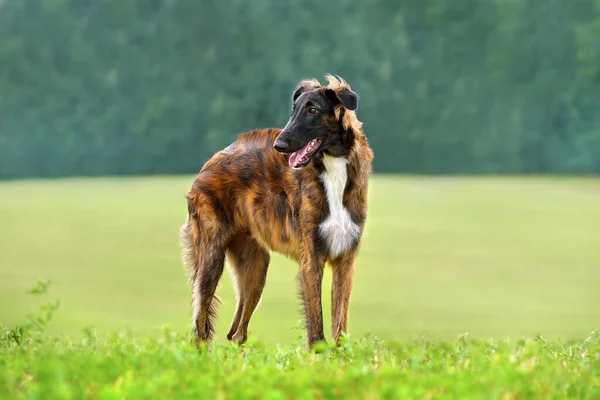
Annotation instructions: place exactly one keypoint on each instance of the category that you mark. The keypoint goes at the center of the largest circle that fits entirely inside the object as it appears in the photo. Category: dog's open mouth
(301, 157)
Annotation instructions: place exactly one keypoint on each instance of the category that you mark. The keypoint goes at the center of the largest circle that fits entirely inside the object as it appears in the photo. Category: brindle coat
(247, 200)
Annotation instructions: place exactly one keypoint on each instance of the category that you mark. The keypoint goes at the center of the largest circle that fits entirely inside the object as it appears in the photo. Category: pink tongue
(296, 157)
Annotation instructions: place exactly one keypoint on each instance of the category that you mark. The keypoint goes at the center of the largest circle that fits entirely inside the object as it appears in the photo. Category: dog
(300, 191)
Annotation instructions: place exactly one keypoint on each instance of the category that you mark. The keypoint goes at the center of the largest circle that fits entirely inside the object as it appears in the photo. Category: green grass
(167, 366)
(499, 258)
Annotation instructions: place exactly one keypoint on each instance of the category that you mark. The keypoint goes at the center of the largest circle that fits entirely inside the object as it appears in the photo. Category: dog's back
(248, 187)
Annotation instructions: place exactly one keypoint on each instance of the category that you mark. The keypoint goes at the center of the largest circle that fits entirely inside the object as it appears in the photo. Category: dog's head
(321, 119)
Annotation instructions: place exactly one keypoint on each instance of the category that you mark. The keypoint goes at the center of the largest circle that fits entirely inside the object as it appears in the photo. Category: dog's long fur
(247, 201)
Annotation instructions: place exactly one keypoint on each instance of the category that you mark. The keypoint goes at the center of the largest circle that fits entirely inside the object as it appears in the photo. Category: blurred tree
(157, 86)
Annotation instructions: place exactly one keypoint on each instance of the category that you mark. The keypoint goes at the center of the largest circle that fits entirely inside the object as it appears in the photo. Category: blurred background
(482, 114)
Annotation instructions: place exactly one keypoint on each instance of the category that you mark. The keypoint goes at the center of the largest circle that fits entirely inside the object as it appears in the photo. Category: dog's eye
(312, 110)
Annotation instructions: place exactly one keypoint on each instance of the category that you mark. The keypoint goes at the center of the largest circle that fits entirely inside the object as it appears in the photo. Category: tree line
(114, 87)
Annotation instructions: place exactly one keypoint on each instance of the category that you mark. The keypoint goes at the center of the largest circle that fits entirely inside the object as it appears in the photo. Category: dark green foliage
(142, 87)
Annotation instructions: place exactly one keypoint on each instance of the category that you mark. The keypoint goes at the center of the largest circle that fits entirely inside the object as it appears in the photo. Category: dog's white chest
(338, 229)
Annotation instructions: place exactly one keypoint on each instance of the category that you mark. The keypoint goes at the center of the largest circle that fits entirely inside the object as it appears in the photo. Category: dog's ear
(303, 86)
(345, 97)
(298, 91)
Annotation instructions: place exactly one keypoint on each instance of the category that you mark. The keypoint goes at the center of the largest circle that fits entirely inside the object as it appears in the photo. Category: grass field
(501, 257)
(167, 367)
(498, 258)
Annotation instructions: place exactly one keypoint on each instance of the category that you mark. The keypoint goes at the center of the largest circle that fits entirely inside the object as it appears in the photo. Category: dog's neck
(360, 158)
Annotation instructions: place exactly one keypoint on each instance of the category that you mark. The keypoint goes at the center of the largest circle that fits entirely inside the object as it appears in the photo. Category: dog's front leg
(341, 290)
(311, 277)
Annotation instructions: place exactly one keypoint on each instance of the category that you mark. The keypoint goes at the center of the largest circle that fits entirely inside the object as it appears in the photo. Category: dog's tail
(188, 241)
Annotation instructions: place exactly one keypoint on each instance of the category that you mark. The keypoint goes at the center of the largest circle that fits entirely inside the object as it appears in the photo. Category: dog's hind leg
(210, 269)
(248, 262)
(204, 238)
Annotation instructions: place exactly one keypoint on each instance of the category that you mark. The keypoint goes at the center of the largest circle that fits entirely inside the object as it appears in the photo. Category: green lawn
(494, 257)
(167, 367)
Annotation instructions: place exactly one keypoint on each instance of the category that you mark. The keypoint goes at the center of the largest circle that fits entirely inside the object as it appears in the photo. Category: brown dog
(300, 191)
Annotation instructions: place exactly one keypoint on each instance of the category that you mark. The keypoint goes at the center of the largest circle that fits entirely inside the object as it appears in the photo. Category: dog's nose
(281, 146)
